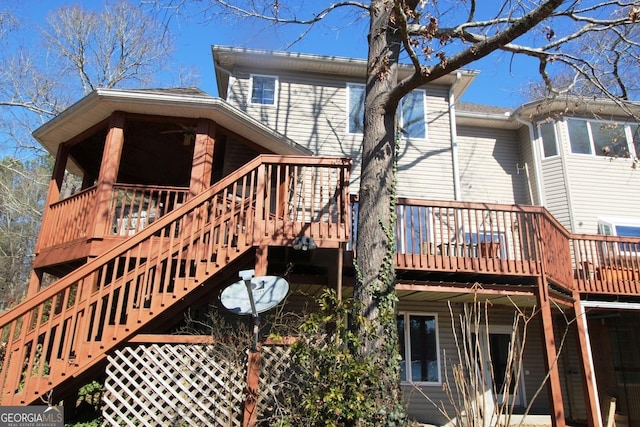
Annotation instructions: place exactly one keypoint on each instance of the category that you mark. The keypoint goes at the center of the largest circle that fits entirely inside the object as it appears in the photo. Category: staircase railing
(68, 327)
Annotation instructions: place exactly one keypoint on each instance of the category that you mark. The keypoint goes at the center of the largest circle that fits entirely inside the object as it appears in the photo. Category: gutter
(454, 140)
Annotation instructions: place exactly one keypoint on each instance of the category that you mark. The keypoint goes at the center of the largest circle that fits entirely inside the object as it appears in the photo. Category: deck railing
(606, 264)
(68, 220)
(69, 326)
(131, 208)
(494, 239)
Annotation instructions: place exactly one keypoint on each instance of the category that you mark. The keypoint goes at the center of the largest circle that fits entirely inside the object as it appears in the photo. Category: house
(524, 208)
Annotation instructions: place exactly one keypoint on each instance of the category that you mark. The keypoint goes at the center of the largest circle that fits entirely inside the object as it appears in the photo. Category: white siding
(489, 160)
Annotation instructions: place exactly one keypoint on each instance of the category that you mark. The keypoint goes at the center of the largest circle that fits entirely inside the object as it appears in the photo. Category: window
(412, 112)
(412, 116)
(263, 89)
(355, 101)
(622, 228)
(419, 352)
(548, 134)
(634, 132)
(599, 138)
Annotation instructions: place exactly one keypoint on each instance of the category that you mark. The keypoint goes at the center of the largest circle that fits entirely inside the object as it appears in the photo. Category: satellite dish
(268, 291)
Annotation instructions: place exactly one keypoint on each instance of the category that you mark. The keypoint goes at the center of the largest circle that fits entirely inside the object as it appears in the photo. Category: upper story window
(412, 115)
(634, 136)
(263, 89)
(355, 107)
(599, 138)
(419, 348)
(547, 132)
(412, 112)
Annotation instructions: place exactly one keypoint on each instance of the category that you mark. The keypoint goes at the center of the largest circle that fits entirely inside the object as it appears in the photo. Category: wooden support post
(589, 385)
(550, 355)
(339, 272)
(111, 155)
(261, 260)
(202, 165)
(250, 416)
(53, 193)
(35, 280)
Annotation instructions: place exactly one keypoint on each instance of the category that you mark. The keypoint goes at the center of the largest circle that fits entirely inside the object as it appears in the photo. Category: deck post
(589, 385)
(550, 354)
(202, 165)
(53, 193)
(108, 173)
(261, 260)
(250, 416)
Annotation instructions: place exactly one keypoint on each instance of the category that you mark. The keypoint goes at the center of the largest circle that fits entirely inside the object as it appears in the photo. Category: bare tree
(121, 46)
(437, 38)
(77, 51)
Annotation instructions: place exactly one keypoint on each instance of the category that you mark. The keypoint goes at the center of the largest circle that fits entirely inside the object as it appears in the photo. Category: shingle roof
(481, 108)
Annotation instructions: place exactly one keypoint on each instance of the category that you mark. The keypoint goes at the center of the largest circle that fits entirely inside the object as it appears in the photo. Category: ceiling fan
(188, 132)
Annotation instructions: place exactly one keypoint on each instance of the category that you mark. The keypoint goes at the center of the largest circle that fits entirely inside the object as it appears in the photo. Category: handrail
(70, 325)
(606, 264)
(473, 237)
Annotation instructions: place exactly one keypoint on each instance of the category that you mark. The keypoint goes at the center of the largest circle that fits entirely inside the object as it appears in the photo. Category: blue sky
(500, 81)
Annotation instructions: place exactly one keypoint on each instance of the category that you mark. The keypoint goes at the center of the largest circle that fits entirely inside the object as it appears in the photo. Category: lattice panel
(173, 385)
(186, 385)
(275, 377)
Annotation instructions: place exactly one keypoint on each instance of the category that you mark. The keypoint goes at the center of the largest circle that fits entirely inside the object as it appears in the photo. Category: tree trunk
(374, 292)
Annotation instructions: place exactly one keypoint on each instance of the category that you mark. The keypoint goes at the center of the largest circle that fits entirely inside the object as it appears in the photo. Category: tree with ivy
(437, 38)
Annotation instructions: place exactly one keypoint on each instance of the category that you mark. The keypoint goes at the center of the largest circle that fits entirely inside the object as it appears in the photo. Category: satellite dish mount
(253, 295)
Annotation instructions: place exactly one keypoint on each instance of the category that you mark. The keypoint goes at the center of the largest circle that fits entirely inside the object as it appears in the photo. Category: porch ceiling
(521, 296)
(101, 103)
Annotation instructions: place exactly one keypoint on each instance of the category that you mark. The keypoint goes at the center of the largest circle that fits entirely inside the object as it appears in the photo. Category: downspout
(536, 160)
(454, 141)
(229, 82)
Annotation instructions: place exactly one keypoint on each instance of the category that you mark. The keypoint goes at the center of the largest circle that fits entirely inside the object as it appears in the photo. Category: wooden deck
(159, 246)
(67, 328)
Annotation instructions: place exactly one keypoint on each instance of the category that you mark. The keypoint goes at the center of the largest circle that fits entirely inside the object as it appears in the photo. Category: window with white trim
(609, 139)
(634, 136)
(412, 115)
(419, 348)
(411, 112)
(547, 132)
(622, 228)
(355, 107)
(263, 89)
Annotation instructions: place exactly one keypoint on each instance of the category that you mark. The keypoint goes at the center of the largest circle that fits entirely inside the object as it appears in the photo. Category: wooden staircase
(69, 327)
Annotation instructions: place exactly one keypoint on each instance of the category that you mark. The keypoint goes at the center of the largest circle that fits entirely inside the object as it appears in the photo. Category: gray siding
(489, 160)
(425, 167)
(423, 409)
(555, 190)
(311, 110)
(593, 187)
(602, 187)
